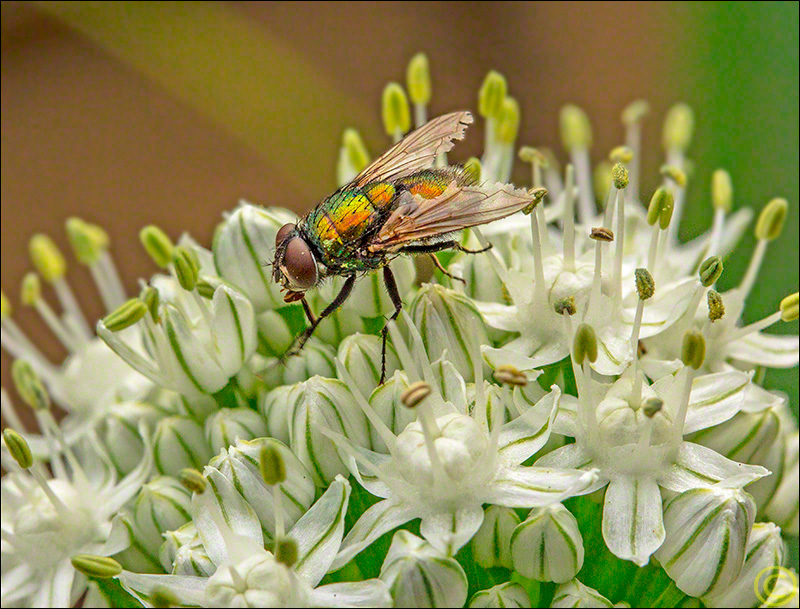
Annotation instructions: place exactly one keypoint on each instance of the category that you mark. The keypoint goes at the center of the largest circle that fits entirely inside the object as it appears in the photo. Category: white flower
(707, 533)
(446, 465)
(193, 345)
(246, 574)
(509, 594)
(491, 545)
(633, 434)
(575, 594)
(230, 424)
(179, 443)
(48, 520)
(782, 507)
(419, 575)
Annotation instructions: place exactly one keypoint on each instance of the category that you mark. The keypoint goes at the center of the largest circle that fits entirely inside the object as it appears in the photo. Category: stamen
(32, 296)
(576, 134)
(418, 81)
(599, 235)
(569, 219)
(632, 117)
(693, 353)
(396, 113)
(239, 582)
(383, 430)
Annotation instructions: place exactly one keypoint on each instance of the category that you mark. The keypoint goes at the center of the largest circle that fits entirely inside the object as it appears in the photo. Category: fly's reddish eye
(301, 268)
(281, 235)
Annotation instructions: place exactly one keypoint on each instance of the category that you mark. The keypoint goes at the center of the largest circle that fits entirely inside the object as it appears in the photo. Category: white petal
(633, 526)
(525, 435)
(233, 326)
(377, 520)
(510, 594)
(570, 456)
(228, 534)
(575, 594)
(195, 369)
(697, 466)
(449, 531)
(715, 398)
(548, 545)
(319, 532)
(189, 590)
(526, 487)
(768, 350)
(367, 593)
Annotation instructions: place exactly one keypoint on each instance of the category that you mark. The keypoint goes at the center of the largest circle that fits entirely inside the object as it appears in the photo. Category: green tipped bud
(355, 149)
(286, 551)
(621, 154)
(272, 465)
(126, 315)
(601, 178)
(157, 245)
(415, 393)
(716, 308)
(576, 131)
(510, 375)
(678, 128)
(710, 271)
(152, 300)
(771, 220)
(693, 351)
(529, 154)
(537, 194)
(160, 598)
(5, 306)
(493, 92)
(675, 174)
(789, 308)
(565, 306)
(193, 480)
(508, 123)
(29, 385)
(99, 567)
(645, 284)
(418, 79)
(472, 169)
(602, 234)
(652, 406)
(88, 240)
(18, 448)
(722, 190)
(585, 344)
(619, 175)
(31, 290)
(661, 207)
(635, 112)
(186, 267)
(396, 113)
(47, 258)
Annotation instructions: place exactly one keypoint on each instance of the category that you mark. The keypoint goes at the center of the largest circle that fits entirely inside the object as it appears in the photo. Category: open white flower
(246, 574)
(633, 433)
(48, 520)
(446, 465)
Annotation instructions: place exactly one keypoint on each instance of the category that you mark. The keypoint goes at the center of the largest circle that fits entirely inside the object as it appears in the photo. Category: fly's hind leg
(301, 340)
(394, 294)
(432, 248)
(444, 271)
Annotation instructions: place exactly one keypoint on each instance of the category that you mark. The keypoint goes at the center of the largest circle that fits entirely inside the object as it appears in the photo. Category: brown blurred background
(100, 123)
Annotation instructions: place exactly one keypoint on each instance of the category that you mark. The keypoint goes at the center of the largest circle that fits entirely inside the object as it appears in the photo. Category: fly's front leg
(394, 294)
(301, 340)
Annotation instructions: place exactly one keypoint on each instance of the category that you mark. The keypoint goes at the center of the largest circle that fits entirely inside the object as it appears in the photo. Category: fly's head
(295, 266)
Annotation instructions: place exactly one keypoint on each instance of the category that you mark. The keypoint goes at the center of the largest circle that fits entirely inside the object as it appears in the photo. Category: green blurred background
(130, 113)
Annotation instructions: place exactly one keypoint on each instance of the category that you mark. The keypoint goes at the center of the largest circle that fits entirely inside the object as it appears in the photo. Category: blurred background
(127, 113)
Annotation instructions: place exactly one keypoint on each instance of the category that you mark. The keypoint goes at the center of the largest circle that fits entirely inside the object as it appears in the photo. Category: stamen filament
(611, 202)
(103, 287)
(106, 263)
(675, 158)
(280, 528)
(10, 414)
(59, 506)
(431, 431)
(620, 239)
(756, 326)
(586, 204)
(238, 581)
(70, 305)
(594, 295)
(538, 257)
(63, 334)
(716, 232)
(383, 430)
(651, 254)
(753, 268)
(569, 220)
(633, 140)
(683, 405)
(495, 260)
(403, 354)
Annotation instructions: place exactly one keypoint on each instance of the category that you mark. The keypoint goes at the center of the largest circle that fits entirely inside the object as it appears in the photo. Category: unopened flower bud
(510, 594)
(361, 356)
(179, 443)
(575, 594)
(418, 575)
(227, 424)
(163, 504)
(491, 545)
(548, 546)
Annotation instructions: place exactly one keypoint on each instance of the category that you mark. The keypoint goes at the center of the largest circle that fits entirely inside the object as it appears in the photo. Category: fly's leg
(444, 271)
(301, 340)
(394, 294)
(309, 313)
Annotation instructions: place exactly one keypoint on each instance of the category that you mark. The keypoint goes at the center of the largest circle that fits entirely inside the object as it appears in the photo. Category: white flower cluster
(575, 421)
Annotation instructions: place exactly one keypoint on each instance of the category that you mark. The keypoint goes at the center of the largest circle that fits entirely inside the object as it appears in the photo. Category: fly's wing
(418, 219)
(416, 151)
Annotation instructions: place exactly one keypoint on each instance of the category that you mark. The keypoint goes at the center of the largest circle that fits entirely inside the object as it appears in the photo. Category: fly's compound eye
(281, 234)
(299, 264)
